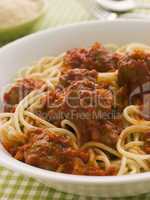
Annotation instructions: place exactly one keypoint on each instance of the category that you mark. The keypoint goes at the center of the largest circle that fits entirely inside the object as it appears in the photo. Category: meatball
(134, 69)
(96, 57)
(87, 96)
(133, 77)
(49, 151)
(85, 104)
(73, 75)
(18, 91)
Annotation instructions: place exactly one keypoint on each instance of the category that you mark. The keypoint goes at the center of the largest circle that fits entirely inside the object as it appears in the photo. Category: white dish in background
(16, 28)
(53, 42)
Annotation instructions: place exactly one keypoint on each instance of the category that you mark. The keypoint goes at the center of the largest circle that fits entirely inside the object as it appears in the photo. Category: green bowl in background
(12, 33)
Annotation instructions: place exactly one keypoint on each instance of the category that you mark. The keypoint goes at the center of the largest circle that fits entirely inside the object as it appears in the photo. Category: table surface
(14, 186)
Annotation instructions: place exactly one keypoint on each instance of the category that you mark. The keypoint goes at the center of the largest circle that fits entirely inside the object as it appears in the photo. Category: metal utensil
(102, 14)
(122, 5)
(98, 12)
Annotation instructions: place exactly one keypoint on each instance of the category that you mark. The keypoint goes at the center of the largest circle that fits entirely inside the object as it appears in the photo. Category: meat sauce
(88, 105)
(49, 151)
(134, 82)
(73, 75)
(133, 74)
(97, 57)
(85, 103)
(20, 89)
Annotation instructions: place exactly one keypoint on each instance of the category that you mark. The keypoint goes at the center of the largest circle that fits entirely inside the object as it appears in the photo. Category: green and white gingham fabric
(14, 186)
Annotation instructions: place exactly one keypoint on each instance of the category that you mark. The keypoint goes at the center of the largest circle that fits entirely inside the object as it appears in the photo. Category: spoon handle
(143, 5)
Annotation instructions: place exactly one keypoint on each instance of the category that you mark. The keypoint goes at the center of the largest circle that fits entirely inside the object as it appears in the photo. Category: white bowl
(10, 33)
(52, 42)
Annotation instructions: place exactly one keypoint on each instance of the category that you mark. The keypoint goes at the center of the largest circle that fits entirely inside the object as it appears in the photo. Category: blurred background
(19, 18)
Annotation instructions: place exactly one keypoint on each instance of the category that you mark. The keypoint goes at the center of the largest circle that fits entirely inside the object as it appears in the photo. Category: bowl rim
(32, 171)
(41, 13)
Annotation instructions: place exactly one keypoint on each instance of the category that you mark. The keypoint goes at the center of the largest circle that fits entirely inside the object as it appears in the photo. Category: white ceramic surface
(12, 32)
(52, 42)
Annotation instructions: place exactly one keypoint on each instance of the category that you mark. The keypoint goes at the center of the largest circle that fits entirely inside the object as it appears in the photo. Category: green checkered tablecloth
(16, 187)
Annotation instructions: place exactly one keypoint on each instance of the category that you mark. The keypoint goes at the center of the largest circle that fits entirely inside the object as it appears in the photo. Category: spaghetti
(78, 113)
